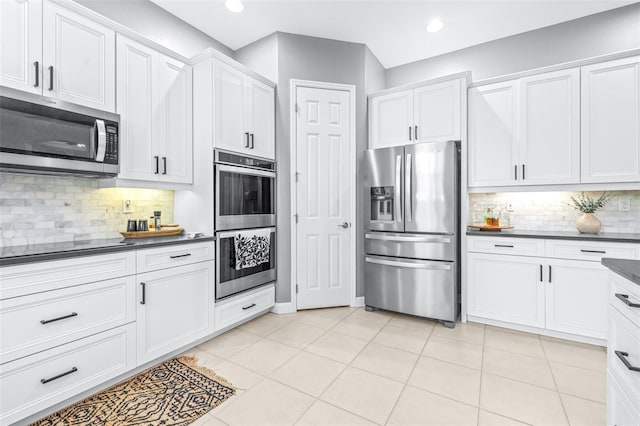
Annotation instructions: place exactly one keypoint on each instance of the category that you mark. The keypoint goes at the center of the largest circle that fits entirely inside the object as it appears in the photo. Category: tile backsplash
(548, 211)
(46, 209)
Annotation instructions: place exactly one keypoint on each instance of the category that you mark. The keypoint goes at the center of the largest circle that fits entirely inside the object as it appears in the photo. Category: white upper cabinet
(391, 120)
(436, 111)
(550, 128)
(154, 103)
(525, 132)
(21, 53)
(427, 114)
(79, 57)
(244, 113)
(610, 121)
(58, 53)
(493, 143)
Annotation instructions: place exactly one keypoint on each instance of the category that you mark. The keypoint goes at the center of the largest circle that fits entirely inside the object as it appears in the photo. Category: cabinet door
(82, 54)
(506, 288)
(611, 121)
(174, 120)
(391, 120)
(136, 107)
(577, 297)
(550, 128)
(21, 53)
(230, 110)
(436, 111)
(175, 308)
(493, 144)
(261, 106)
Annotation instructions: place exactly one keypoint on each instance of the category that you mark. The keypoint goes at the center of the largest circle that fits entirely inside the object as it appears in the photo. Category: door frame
(293, 139)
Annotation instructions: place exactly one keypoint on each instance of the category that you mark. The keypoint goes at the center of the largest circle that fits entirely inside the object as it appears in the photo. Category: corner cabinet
(155, 107)
(57, 52)
(525, 132)
(611, 121)
(244, 112)
(426, 114)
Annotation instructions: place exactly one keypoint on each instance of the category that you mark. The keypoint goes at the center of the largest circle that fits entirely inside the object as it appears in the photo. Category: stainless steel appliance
(229, 280)
(412, 239)
(244, 191)
(45, 136)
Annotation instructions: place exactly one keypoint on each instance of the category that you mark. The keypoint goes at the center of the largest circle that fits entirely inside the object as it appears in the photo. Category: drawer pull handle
(144, 293)
(180, 255)
(244, 308)
(593, 251)
(71, 315)
(73, 370)
(625, 299)
(623, 357)
(541, 273)
(503, 245)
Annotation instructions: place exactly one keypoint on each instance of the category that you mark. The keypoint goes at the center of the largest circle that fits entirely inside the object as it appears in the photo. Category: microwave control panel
(111, 152)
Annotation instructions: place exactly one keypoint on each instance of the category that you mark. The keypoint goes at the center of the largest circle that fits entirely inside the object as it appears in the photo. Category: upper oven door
(245, 198)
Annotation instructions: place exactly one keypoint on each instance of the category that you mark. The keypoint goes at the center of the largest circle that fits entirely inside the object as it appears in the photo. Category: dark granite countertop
(53, 251)
(560, 235)
(628, 268)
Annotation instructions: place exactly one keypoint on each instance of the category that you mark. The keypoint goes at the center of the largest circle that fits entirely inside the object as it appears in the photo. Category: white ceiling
(393, 30)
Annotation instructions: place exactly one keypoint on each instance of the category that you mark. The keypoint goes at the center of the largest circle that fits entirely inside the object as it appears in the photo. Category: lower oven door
(417, 287)
(230, 280)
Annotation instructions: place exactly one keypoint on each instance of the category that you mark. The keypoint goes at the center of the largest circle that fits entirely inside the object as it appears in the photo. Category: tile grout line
(484, 337)
(553, 376)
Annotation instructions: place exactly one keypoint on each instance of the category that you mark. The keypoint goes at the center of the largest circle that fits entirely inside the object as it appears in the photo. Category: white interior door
(323, 194)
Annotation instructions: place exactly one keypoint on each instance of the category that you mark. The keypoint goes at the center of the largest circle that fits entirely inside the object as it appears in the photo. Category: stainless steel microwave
(42, 135)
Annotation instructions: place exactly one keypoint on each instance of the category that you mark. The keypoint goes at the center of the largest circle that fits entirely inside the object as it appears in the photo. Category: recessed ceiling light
(435, 25)
(234, 6)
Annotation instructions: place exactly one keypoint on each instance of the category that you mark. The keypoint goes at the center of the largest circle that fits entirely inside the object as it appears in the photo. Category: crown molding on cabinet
(216, 54)
(557, 67)
(466, 75)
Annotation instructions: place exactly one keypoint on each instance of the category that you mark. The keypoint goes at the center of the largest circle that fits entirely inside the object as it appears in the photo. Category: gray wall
(607, 32)
(261, 56)
(155, 23)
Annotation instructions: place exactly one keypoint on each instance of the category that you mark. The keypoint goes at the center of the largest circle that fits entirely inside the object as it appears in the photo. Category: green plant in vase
(589, 223)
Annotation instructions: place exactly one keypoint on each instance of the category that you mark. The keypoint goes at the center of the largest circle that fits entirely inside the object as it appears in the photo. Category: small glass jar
(156, 220)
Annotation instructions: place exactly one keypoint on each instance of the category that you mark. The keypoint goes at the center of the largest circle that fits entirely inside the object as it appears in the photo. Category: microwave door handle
(101, 132)
(408, 182)
(398, 189)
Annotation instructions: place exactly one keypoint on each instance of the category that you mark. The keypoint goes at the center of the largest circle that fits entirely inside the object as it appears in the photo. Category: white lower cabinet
(576, 297)
(558, 287)
(506, 288)
(174, 308)
(33, 383)
(236, 309)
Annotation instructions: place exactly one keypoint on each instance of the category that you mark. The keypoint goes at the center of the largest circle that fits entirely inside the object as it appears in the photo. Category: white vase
(588, 223)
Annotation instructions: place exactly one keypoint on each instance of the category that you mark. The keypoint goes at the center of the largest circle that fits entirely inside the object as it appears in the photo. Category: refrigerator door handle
(408, 179)
(417, 265)
(398, 187)
(408, 238)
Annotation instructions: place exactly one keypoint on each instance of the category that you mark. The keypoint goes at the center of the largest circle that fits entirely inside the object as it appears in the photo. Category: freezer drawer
(416, 287)
(416, 246)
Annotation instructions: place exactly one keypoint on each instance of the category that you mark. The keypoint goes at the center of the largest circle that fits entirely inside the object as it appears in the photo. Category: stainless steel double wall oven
(245, 202)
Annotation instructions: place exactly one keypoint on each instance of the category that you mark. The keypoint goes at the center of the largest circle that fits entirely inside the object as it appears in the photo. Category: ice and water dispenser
(382, 208)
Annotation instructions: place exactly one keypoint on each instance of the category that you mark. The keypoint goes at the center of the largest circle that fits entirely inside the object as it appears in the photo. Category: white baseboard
(359, 302)
(284, 308)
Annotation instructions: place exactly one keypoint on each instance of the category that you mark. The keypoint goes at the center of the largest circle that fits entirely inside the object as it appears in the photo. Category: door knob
(345, 225)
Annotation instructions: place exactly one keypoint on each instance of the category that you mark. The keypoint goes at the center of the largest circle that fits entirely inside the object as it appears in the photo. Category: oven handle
(244, 171)
(227, 234)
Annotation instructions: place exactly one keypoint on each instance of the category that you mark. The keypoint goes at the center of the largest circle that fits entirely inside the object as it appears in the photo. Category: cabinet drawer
(40, 321)
(168, 257)
(620, 410)
(506, 245)
(590, 250)
(621, 287)
(624, 348)
(30, 384)
(20, 280)
(238, 308)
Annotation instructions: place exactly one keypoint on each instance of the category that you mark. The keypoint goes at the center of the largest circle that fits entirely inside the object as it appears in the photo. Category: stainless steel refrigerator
(412, 221)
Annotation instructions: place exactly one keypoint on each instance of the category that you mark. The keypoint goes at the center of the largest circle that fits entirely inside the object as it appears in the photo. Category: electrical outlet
(624, 205)
(127, 206)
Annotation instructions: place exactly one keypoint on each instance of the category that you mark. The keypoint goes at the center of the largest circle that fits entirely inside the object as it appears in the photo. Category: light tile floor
(346, 366)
